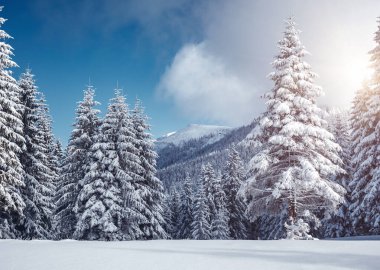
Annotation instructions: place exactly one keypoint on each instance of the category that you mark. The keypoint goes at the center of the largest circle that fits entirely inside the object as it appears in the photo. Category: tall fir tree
(12, 141)
(175, 209)
(76, 162)
(201, 228)
(167, 215)
(108, 207)
(360, 175)
(38, 177)
(339, 224)
(208, 179)
(297, 158)
(215, 200)
(57, 157)
(232, 181)
(59, 153)
(56, 161)
(186, 209)
(53, 147)
(53, 154)
(219, 219)
(219, 226)
(366, 184)
(148, 186)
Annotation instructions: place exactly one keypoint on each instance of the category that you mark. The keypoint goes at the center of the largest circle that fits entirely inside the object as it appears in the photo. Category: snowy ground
(182, 255)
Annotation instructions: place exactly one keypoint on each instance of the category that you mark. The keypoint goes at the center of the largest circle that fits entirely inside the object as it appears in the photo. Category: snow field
(189, 255)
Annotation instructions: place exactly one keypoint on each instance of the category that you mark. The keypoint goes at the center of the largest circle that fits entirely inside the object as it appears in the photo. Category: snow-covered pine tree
(167, 215)
(371, 200)
(218, 194)
(76, 162)
(12, 142)
(341, 130)
(219, 226)
(175, 209)
(201, 228)
(53, 153)
(108, 207)
(216, 201)
(208, 179)
(366, 185)
(57, 161)
(38, 177)
(360, 175)
(58, 152)
(298, 230)
(148, 186)
(186, 209)
(232, 180)
(339, 224)
(297, 159)
(219, 221)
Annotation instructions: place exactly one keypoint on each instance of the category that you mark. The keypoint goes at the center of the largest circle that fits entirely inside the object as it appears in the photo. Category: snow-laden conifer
(298, 230)
(232, 181)
(38, 177)
(53, 152)
(12, 143)
(148, 186)
(167, 215)
(57, 156)
(208, 179)
(53, 147)
(371, 200)
(186, 209)
(219, 225)
(339, 224)
(366, 134)
(216, 202)
(219, 220)
(360, 175)
(175, 209)
(108, 207)
(76, 162)
(201, 228)
(297, 157)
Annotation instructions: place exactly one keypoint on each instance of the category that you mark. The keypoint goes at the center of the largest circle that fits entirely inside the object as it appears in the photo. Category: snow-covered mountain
(191, 132)
(185, 151)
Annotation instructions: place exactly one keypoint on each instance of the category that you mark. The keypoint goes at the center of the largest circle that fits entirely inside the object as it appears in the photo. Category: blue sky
(64, 47)
(189, 61)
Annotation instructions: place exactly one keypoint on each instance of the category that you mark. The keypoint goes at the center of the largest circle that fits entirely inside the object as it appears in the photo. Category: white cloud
(204, 87)
(222, 78)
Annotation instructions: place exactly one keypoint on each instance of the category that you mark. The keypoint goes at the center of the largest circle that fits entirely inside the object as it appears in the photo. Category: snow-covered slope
(177, 161)
(193, 132)
(189, 255)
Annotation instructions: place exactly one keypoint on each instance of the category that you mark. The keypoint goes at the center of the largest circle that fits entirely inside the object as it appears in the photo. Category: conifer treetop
(297, 156)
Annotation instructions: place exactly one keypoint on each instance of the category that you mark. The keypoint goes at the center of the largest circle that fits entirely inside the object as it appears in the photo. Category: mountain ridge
(175, 161)
(192, 132)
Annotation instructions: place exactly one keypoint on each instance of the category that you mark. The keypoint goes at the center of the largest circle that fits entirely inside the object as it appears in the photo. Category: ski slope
(186, 254)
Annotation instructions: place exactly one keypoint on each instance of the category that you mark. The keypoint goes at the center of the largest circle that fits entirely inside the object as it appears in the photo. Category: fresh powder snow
(189, 254)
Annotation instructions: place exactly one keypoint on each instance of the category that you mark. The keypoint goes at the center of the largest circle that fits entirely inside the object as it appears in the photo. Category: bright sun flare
(358, 72)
